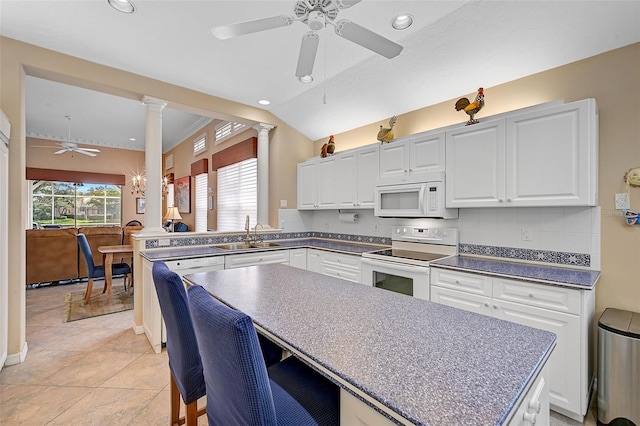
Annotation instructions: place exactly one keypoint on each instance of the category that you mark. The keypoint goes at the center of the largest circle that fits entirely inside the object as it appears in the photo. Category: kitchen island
(410, 360)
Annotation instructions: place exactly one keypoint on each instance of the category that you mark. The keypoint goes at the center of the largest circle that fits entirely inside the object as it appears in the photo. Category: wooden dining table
(108, 253)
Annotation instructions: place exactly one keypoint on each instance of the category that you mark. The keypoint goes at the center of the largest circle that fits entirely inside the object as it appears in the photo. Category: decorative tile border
(267, 236)
(561, 258)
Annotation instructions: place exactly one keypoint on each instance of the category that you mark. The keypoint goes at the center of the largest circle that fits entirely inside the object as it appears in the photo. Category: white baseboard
(18, 357)
(137, 329)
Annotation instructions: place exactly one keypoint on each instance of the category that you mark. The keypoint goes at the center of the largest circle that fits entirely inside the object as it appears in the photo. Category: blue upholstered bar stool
(94, 271)
(187, 379)
(240, 389)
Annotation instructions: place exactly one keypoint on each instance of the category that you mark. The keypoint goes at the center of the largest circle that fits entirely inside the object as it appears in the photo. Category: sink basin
(245, 246)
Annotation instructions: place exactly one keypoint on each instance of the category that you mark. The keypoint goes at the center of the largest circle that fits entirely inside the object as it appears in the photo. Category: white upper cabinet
(357, 175)
(545, 157)
(344, 180)
(407, 158)
(475, 174)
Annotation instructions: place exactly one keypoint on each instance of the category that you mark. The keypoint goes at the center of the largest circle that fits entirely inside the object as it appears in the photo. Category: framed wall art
(140, 205)
(182, 188)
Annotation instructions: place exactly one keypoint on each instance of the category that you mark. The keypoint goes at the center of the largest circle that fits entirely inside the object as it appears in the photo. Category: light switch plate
(622, 202)
(283, 204)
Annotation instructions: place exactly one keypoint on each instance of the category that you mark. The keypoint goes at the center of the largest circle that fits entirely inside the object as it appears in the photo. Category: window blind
(237, 195)
(201, 202)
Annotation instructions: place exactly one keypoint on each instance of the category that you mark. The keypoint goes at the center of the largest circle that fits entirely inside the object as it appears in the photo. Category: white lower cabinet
(260, 258)
(345, 266)
(564, 311)
(152, 321)
(298, 258)
(534, 407)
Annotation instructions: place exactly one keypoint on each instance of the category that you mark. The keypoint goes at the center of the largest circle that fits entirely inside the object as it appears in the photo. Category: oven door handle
(396, 266)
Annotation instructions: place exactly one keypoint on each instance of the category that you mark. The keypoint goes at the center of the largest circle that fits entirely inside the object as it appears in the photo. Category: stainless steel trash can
(619, 367)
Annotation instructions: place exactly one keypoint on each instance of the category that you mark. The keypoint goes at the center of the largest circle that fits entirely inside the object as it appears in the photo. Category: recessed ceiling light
(402, 22)
(305, 79)
(124, 6)
(264, 102)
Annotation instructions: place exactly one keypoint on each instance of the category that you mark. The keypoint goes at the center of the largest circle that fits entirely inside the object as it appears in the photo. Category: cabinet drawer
(544, 296)
(250, 259)
(344, 273)
(461, 300)
(195, 263)
(462, 281)
(343, 260)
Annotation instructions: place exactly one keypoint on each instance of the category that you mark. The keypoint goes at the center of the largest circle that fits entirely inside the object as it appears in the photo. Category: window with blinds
(200, 144)
(201, 202)
(227, 129)
(237, 195)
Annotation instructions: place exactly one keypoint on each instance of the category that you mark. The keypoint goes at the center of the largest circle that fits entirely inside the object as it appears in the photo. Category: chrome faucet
(247, 239)
(255, 232)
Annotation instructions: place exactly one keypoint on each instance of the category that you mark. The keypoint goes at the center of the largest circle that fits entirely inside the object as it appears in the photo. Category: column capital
(151, 102)
(263, 127)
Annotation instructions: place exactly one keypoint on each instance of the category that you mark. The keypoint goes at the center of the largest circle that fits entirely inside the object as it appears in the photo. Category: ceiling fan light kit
(70, 146)
(316, 14)
(124, 6)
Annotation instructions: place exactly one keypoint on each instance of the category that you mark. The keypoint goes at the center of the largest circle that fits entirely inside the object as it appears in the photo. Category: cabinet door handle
(531, 296)
(508, 200)
(486, 305)
(458, 282)
(530, 417)
(495, 307)
(500, 200)
(535, 405)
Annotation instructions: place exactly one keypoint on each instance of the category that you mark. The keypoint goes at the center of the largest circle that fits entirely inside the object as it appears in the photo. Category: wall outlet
(283, 204)
(622, 202)
(526, 234)
(164, 242)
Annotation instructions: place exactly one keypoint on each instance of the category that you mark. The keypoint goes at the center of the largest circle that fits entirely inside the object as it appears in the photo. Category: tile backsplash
(558, 235)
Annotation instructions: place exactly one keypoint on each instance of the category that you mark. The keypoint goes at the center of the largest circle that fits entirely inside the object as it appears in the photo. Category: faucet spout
(247, 239)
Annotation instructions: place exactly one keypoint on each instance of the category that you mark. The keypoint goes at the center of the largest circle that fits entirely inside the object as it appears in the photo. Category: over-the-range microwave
(423, 198)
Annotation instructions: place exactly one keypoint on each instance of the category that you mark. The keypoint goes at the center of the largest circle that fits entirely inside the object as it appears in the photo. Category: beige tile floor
(95, 371)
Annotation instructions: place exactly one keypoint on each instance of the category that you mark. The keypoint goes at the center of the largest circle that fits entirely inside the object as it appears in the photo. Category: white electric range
(405, 267)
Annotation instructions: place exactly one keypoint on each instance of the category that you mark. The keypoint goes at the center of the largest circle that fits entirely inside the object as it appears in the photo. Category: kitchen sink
(245, 246)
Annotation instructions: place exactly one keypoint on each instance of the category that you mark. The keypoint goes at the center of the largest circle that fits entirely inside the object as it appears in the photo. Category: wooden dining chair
(185, 364)
(240, 388)
(94, 271)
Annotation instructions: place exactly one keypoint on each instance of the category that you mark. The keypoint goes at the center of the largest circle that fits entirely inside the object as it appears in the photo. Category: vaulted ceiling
(452, 48)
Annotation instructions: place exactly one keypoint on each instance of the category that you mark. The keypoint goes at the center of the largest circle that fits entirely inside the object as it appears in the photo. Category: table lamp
(172, 214)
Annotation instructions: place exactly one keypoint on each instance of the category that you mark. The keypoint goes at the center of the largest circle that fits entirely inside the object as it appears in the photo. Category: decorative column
(263, 172)
(153, 166)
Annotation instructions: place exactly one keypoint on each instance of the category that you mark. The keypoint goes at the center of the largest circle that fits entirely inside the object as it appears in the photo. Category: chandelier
(139, 184)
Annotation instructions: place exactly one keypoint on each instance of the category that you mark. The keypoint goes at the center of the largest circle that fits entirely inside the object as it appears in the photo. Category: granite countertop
(554, 275)
(176, 253)
(432, 364)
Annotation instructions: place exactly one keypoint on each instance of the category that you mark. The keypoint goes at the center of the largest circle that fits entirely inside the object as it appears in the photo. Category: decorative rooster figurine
(328, 148)
(471, 108)
(386, 134)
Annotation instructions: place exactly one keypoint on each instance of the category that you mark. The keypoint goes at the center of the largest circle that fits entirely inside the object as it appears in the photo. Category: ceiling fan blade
(81, 151)
(234, 30)
(62, 151)
(366, 38)
(89, 149)
(307, 56)
(345, 4)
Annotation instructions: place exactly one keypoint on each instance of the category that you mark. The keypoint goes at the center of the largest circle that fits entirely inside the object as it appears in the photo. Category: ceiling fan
(316, 14)
(72, 147)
